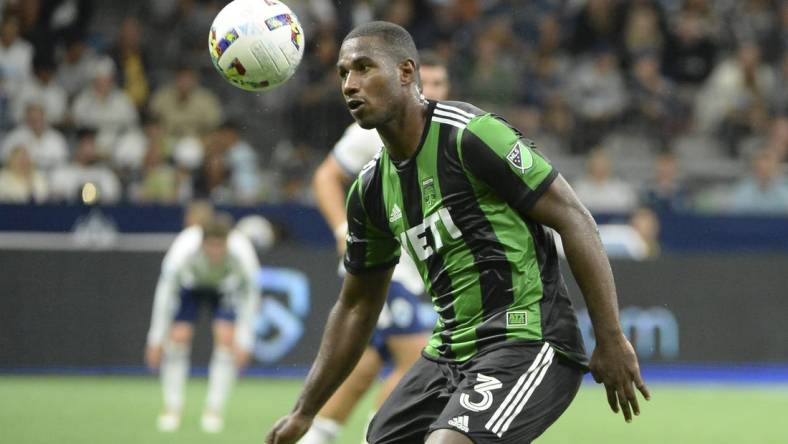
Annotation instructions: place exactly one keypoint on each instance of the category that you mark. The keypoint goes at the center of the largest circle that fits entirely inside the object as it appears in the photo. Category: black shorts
(510, 394)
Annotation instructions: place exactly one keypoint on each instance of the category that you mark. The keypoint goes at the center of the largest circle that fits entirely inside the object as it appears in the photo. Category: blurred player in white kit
(400, 335)
(211, 264)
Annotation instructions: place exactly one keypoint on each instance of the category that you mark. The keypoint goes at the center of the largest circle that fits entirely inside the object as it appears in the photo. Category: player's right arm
(329, 185)
(346, 335)
(370, 257)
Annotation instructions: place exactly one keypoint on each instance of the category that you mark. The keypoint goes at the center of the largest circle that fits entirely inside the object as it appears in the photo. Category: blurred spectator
(645, 30)
(544, 83)
(756, 21)
(598, 96)
(783, 12)
(76, 69)
(654, 105)
(185, 108)
(212, 180)
(597, 24)
(765, 190)
(666, 192)
(495, 76)
(20, 182)
(129, 153)
(780, 100)
(691, 49)
(180, 28)
(46, 146)
(43, 89)
(735, 100)
(600, 191)
(414, 15)
(85, 174)
(319, 110)
(64, 17)
(159, 183)
(16, 56)
(132, 62)
(242, 161)
(104, 107)
(646, 223)
(778, 139)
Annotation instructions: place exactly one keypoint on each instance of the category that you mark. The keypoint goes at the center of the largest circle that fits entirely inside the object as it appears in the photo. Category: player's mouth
(354, 105)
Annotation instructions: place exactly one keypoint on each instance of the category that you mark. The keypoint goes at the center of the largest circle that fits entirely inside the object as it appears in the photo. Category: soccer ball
(256, 44)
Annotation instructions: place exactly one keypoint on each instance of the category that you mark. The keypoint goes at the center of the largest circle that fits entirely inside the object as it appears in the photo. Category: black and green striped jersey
(459, 207)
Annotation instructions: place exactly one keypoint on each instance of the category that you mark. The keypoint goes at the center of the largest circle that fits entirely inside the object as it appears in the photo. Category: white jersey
(354, 150)
(185, 246)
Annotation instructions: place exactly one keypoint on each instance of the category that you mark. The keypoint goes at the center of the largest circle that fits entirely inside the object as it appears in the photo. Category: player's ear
(407, 72)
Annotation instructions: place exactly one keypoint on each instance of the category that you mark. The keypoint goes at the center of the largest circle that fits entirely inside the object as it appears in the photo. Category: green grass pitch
(120, 410)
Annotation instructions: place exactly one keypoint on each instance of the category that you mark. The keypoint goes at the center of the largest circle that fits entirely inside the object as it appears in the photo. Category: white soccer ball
(256, 44)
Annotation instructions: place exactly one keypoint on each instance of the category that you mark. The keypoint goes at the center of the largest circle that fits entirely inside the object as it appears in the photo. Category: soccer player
(400, 334)
(207, 264)
(469, 199)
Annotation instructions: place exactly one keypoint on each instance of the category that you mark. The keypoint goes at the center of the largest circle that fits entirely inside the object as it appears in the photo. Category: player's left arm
(613, 362)
(241, 247)
(497, 155)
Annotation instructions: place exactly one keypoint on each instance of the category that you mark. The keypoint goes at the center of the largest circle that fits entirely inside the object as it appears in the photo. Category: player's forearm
(244, 327)
(591, 269)
(161, 312)
(329, 188)
(346, 335)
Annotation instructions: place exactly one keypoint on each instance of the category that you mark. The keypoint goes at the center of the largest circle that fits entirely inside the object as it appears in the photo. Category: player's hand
(153, 357)
(340, 236)
(241, 358)
(615, 365)
(289, 429)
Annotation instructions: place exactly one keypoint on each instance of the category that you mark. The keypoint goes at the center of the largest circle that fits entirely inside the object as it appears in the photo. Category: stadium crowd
(668, 104)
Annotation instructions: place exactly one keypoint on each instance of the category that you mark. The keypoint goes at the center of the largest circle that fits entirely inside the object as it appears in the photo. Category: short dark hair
(397, 41)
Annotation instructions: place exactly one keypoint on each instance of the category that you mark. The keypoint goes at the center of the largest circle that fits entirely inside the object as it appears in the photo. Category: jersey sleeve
(369, 247)
(509, 164)
(355, 148)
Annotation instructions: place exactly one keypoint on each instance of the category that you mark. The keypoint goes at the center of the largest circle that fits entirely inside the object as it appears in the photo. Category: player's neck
(403, 134)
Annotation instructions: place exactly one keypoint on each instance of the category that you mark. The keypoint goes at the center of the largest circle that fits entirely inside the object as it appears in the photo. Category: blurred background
(669, 117)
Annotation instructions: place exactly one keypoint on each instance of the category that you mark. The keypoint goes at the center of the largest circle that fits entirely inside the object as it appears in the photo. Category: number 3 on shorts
(485, 385)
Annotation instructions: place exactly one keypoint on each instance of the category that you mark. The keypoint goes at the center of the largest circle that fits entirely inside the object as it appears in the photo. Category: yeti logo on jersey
(428, 191)
(485, 385)
(520, 157)
(417, 238)
(460, 423)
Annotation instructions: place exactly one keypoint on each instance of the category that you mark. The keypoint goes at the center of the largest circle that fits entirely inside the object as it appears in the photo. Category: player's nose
(350, 85)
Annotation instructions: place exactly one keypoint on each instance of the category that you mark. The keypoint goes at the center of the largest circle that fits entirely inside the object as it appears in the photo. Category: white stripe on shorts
(523, 385)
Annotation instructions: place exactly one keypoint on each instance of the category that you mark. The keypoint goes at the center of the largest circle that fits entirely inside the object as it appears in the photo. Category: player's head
(378, 64)
(199, 212)
(434, 76)
(214, 237)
